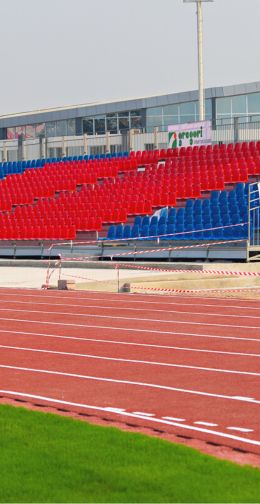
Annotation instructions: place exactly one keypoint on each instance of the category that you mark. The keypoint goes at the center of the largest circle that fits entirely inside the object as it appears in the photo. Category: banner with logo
(190, 134)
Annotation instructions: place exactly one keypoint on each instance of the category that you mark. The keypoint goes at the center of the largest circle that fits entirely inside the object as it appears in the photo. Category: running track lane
(188, 366)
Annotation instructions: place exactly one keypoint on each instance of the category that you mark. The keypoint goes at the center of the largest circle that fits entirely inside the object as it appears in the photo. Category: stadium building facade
(105, 126)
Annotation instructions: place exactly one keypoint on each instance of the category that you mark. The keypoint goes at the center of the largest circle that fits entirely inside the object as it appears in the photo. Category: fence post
(63, 153)
(20, 153)
(155, 137)
(131, 140)
(236, 129)
(4, 152)
(85, 144)
(107, 142)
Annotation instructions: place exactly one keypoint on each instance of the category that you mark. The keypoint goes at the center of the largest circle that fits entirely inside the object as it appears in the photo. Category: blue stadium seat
(145, 230)
(172, 212)
(162, 220)
(146, 221)
(162, 230)
(127, 231)
(111, 232)
(138, 220)
(170, 231)
(135, 231)
(154, 220)
(119, 231)
(153, 230)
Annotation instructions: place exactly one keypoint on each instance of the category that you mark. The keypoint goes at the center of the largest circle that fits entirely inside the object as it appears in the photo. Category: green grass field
(48, 458)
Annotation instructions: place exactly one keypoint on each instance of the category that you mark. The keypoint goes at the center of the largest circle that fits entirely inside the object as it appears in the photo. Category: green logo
(177, 139)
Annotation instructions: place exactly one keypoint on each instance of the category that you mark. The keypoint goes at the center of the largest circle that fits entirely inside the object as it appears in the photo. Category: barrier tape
(200, 245)
(141, 238)
(202, 272)
(194, 291)
(139, 252)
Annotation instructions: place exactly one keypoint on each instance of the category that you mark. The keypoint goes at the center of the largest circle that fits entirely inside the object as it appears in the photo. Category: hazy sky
(62, 52)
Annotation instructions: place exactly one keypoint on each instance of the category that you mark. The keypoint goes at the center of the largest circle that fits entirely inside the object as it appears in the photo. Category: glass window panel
(154, 118)
(88, 126)
(123, 123)
(239, 105)
(100, 126)
(171, 115)
(112, 123)
(187, 112)
(30, 131)
(61, 128)
(123, 114)
(20, 130)
(40, 130)
(51, 129)
(136, 122)
(253, 103)
(208, 109)
(223, 106)
(10, 133)
(136, 113)
(71, 127)
(154, 112)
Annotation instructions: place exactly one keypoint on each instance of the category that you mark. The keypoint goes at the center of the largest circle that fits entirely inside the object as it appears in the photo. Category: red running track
(180, 365)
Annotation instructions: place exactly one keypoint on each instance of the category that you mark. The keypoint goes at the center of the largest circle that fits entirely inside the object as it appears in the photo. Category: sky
(63, 52)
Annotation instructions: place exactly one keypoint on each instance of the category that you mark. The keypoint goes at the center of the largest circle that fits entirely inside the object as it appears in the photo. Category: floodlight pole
(200, 55)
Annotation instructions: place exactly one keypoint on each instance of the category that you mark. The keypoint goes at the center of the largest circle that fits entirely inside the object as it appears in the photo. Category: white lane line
(114, 328)
(133, 319)
(242, 398)
(130, 361)
(127, 382)
(90, 326)
(174, 419)
(71, 296)
(114, 410)
(240, 429)
(146, 345)
(207, 424)
(124, 413)
(140, 413)
(103, 307)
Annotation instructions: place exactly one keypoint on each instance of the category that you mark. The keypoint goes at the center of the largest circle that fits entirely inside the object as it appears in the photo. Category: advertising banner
(190, 134)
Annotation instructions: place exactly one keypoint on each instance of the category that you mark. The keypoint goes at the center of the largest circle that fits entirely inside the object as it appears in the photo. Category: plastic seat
(127, 231)
(172, 212)
(162, 230)
(138, 220)
(153, 230)
(145, 230)
(146, 221)
(135, 233)
(119, 231)
(111, 232)
(154, 220)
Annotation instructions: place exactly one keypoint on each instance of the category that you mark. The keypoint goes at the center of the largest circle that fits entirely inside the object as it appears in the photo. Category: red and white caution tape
(199, 245)
(197, 271)
(194, 291)
(107, 241)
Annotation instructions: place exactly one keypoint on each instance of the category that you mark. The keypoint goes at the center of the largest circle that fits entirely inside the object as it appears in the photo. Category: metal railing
(254, 214)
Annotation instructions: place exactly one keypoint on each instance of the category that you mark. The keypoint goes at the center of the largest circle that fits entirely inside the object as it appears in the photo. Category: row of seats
(24, 188)
(12, 167)
(223, 216)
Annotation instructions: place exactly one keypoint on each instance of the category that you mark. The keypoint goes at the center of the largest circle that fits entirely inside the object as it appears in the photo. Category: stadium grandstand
(153, 190)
